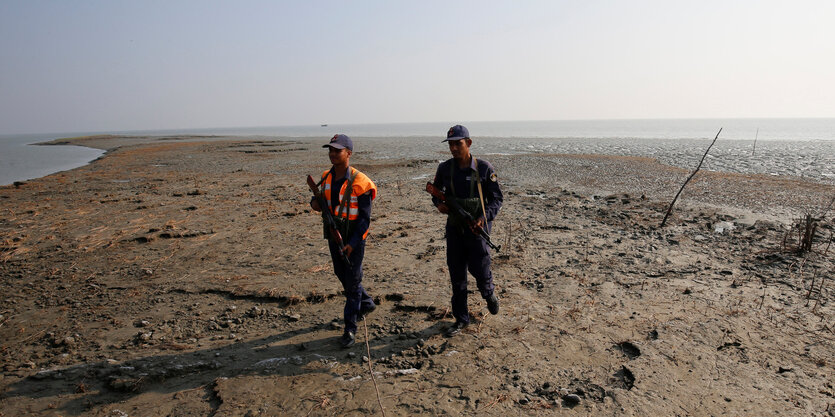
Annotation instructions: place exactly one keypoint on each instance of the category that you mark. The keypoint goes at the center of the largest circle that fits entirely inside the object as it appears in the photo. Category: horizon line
(181, 129)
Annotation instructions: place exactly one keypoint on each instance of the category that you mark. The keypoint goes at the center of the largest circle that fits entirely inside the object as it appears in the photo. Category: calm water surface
(800, 147)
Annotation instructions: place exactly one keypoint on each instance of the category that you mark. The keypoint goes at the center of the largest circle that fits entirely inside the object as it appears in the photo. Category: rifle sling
(346, 197)
(475, 180)
(481, 197)
(343, 223)
(348, 189)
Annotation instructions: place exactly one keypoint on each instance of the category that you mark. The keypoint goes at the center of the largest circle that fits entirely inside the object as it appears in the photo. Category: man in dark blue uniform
(474, 185)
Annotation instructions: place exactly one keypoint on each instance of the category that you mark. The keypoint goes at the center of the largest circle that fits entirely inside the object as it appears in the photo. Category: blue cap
(457, 132)
(340, 141)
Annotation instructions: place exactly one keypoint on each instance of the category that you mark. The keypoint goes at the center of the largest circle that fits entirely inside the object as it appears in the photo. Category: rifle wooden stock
(458, 210)
(330, 222)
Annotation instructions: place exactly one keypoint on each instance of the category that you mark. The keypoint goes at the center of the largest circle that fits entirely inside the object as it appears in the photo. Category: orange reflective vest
(360, 184)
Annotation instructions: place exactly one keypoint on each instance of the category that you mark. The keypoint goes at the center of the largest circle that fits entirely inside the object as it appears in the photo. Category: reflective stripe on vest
(353, 206)
(361, 183)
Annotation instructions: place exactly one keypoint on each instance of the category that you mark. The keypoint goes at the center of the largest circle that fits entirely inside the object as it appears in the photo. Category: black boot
(347, 339)
(455, 328)
(493, 304)
(365, 311)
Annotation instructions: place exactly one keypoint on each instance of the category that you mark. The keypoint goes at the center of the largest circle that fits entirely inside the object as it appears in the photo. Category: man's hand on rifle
(314, 204)
(443, 208)
(478, 223)
(347, 249)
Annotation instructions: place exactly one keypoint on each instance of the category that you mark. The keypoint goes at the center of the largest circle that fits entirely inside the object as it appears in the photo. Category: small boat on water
(325, 125)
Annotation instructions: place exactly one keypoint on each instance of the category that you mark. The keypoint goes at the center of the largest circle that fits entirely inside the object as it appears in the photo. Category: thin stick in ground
(370, 368)
(670, 209)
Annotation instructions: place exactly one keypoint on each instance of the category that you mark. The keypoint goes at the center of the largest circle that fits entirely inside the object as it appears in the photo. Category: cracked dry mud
(187, 276)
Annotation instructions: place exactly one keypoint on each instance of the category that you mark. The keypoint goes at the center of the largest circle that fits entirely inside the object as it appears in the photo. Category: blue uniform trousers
(466, 251)
(356, 298)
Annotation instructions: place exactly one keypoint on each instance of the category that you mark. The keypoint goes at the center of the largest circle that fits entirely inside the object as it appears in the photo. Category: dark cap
(340, 141)
(457, 132)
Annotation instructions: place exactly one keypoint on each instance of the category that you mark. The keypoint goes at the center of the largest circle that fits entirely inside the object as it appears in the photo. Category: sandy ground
(187, 277)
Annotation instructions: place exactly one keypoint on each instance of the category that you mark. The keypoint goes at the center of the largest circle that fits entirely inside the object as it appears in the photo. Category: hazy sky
(129, 65)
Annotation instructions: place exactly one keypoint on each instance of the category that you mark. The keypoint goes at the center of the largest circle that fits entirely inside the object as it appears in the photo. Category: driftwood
(670, 209)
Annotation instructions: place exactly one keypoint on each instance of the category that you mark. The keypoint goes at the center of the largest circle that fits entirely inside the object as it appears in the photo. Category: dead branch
(663, 222)
(371, 369)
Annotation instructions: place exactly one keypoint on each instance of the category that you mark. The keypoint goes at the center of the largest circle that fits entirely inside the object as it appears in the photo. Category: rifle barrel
(327, 217)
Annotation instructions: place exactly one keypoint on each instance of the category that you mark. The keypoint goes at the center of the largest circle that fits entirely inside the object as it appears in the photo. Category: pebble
(571, 400)
(722, 227)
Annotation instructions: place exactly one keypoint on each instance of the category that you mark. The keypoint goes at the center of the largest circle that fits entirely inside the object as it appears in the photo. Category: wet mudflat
(177, 276)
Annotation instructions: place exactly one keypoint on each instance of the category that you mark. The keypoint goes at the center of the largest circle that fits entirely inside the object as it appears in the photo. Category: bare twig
(762, 300)
(499, 398)
(509, 237)
(811, 287)
(586, 255)
(323, 403)
(663, 222)
(371, 369)
(480, 322)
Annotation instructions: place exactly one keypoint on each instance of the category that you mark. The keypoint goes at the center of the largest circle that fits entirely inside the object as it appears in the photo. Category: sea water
(20, 161)
(798, 147)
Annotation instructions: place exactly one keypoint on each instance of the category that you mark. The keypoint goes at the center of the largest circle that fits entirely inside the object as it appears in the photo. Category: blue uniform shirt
(489, 184)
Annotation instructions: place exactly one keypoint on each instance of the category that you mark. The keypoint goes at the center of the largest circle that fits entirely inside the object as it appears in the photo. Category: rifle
(471, 222)
(327, 217)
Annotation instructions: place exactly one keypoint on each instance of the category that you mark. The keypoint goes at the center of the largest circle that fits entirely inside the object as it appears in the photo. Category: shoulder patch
(493, 177)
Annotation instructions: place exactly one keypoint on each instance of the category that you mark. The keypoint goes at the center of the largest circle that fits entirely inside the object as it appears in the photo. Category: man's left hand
(347, 249)
(478, 223)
